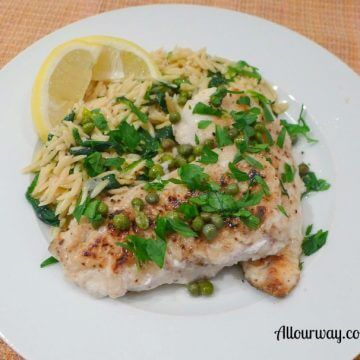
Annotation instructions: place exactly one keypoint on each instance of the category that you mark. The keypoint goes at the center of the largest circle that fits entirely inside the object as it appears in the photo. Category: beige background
(334, 24)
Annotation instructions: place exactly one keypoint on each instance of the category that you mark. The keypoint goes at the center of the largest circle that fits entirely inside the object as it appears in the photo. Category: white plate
(44, 317)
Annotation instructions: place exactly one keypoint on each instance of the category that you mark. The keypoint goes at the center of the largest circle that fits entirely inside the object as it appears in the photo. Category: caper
(166, 157)
(183, 98)
(173, 215)
(191, 158)
(197, 150)
(152, 198)
(155, 171)
(233, 133)
(88, 128)
(121, 222)
(303, 169)
(231, 189)
(180, 161)
(217, 220)
(194, 288)
(209, 231)
(185, 149)
(197, 224)
(141, 220)
(210, 143)
(206, 287)
(259, 137)
(174, 117)
(239, 139)
(260, 127)
(137, 203)
(167, 144)
(103, 208)
(206, 216)
(98, 222)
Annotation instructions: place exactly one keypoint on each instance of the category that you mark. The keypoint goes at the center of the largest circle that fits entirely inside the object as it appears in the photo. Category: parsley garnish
(89, 209)
(94, 164)
(134, 109)
(248, 219)
(49, 261)
(265, 104)
(70, 116)
(258, 179)
(242, 68)
(203, 124)
(126, 136)
(114, 162)
(243, 100)
(253, 162)
(282, 210)
(189, 211)
(203, 109)
(288, 175)
(99, 120)
(281, 138)
(217, 97)
(216, 79)
(237, 174)
(222, 136)
(313, 184)
(208, 156)
(313, 242)
(145, 249)
(301, 128)
(193, 177)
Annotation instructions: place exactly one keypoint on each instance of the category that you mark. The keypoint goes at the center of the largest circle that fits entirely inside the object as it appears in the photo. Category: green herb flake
(99, 120)
(216, 79)
(49, 261)
(70, 116)
(94, 164)
(203, 124)
(250, 220)
(208, 156)
(193, 177)
(222, 136)
(189, 211)
(114, 162)
(217, 97)
(282, 210)
(145, 249)
(281, 138)
(242, 68)
(237, 174)
(244, 100)
(288, 175)
(313, 242)
(203, 109)
(134, 109)
(253, 162)
(313, 184)
(258, 179)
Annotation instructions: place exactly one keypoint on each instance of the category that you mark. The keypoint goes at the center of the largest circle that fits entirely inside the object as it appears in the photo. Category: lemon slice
(67, 71)
(121, 57)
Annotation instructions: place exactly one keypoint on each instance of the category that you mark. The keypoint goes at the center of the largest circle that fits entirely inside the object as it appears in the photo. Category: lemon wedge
(66, 73)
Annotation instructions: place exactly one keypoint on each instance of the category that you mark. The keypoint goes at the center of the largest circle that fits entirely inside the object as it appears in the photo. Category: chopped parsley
(250, 220)
(94, 164)
(216, 79)
(194, 177)
(217, 97)
(133, 108)
(253, 162)
(282, 210)
(70, 116)
(289, 174)
(313, 184)
(203, 124)
(222, 136)
(145, 249)
(49, 261)
(281, 138)
(301, 128)
(237, 174)
(203, 109)
(189, 211)
(242, 68)
(208, 156)
(313, 242)
(259, 180)
(126, 136)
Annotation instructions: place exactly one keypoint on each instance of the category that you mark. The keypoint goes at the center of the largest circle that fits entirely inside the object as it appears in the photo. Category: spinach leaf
(43, 213)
